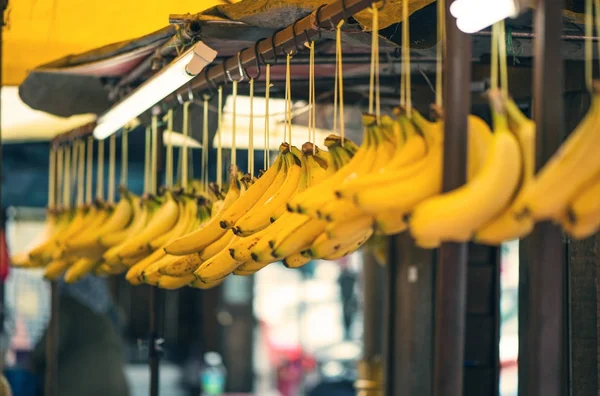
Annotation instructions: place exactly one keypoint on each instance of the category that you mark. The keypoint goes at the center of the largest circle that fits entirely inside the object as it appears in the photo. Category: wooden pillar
(542, 282)
(451, 273)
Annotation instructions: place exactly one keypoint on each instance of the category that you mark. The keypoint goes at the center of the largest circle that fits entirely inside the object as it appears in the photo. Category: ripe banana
(79, 269)
(174, 282)
(56, 268)
(456, 215)
(509, 225)
(209, 231)
(296, 260)
(569, 169)
(217, 267)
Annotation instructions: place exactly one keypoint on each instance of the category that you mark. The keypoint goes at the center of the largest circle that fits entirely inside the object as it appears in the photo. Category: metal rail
(451, 288)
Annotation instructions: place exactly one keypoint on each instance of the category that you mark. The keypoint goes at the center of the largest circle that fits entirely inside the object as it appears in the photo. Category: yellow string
(219, 140)
(74, 164)
(314, 101)
(233, 124)
(89, 175)
(52, 178)
(494, 59)
(112, 148)
(205, 144)
(372, 69)
(597, 6)
(288, 96)
(340, 76)
(100, 171)
(154, 157)
(67, 179)
(588, 44)
(406, 56)
(80, 173)
(335, 90)
(267, 152)
(169, 156)
(441, 35)
(184, 147)
(124, 156)
(312, 118)
(251, 131)
(59, 176)
(502, 54)
(147, 148)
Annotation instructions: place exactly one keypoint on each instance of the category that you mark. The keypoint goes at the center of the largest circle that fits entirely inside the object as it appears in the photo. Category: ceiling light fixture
(475, 15)
(168, 79)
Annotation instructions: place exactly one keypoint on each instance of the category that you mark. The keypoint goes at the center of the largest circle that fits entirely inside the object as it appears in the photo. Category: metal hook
(241, 71)
(212, 87)
(190, 93)
(273, 50)
(318, 19)
(256, 54)
(227, 74)
(308, 40)
(295, 50)
(180, 99)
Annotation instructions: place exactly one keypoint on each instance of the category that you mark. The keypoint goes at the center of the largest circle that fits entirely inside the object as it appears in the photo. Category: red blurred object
(4, 257)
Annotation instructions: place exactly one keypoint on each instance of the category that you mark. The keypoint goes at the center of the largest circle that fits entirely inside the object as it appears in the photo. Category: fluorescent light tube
(168, 79)
(475, 15)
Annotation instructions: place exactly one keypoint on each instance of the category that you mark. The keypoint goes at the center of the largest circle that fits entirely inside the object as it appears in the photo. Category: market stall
(420, 182)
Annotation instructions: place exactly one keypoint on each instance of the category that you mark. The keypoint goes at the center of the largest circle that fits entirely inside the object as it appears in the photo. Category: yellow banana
(350, 246)
(298, 239)
(390, 222)
(141, 214)
(198, 284)
(456, 215)
(209, 231)
(509, 225)
(250, 268)
(260, 215)
(56, 268)
(79, 269)
(296, 260)
(254, 193)
(174, 282)
(134, 274)
(180, 265)
(217, 246)
(570, 168)
(217, 267)
(324, 246)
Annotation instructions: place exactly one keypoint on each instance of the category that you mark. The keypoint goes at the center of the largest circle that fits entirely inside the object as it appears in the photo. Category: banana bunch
(252, 220)
(567, 188)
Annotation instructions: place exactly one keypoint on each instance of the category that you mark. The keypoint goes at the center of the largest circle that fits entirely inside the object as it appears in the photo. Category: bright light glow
(177, 140)
(21, 123)
(167, 80)
(475, 15)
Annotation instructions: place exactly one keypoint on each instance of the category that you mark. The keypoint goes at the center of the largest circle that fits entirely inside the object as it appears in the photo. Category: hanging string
(233, 124)
(204, 174)
(441, 34)
(52, 177)
(335, 89)
(154, 157)
(169, 156)
(112, 148)
(588, 44)
(267, 153)
(312, 127)
(184, 146)
(251, 131)
(406, 56)
(219, 140)
(503, 63)
(80, 173)
(67, 179)
(340, 76)
(288, 99)
(59, 176)
(494, 59)
(374, 102)
(74, 163)
(147, 148)
(124, 156)
(89, 173)
(100, 171)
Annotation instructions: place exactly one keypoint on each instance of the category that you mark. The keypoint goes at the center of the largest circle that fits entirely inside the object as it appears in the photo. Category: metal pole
(156, 296)
(542, 360)
(51, 375)
(451, 291)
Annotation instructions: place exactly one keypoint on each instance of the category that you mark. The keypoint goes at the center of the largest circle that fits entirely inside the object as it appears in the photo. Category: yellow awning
(40, 31)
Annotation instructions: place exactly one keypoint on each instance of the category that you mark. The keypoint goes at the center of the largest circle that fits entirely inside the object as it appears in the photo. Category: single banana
(209, 231)
(217, 245)
(509, 225)
(217, 267)
(56, 268)
(456, 215)
(198, 284)
(259, 217)
(174, 282)
(180, 265)
(296, 260)
(390, 222)
(142, 211)
(134, 274)
(254, 193)
(79, 269)
(570, 168)
(250, 268)
(298, 240)
(349, 247)
(164, 219)
(324, 246)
